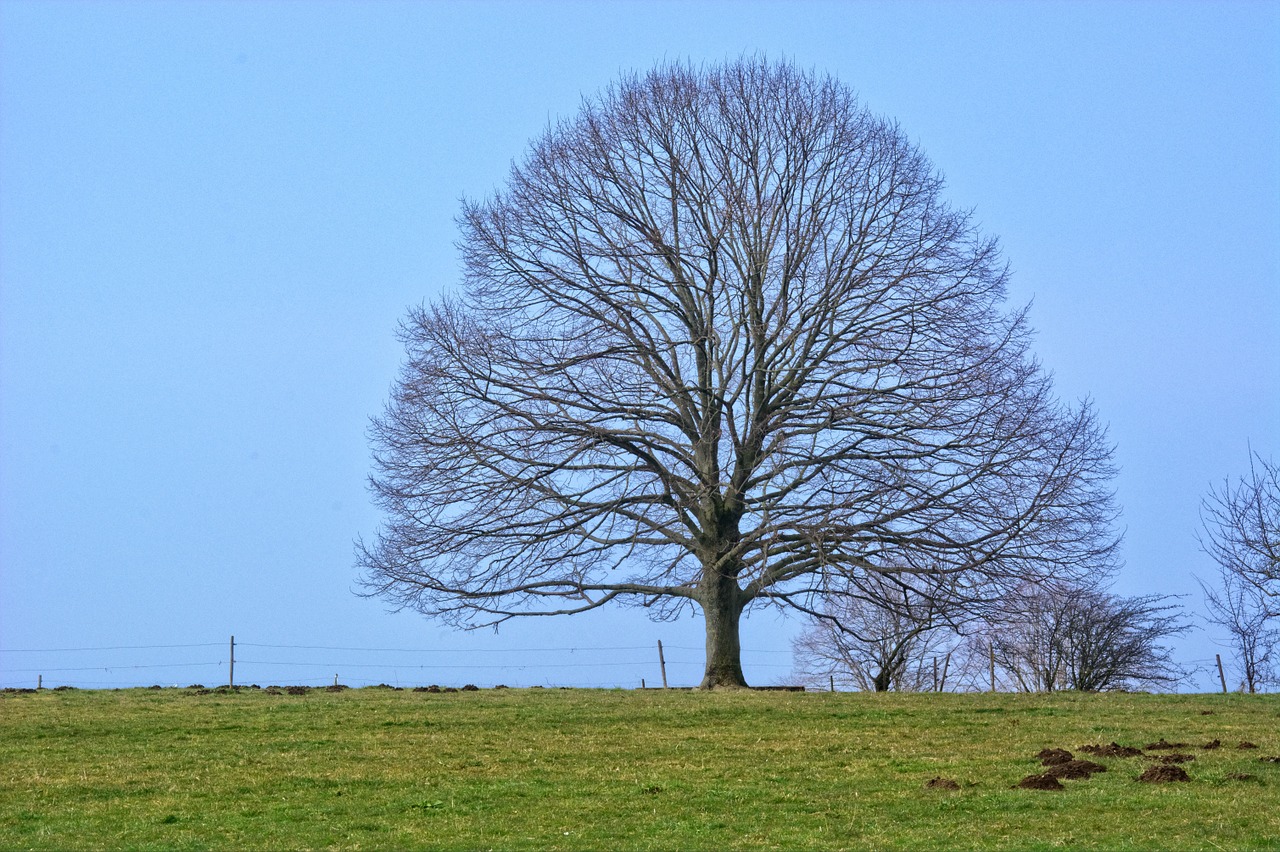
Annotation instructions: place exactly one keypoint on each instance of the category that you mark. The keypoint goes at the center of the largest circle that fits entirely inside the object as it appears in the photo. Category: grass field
(594, 769)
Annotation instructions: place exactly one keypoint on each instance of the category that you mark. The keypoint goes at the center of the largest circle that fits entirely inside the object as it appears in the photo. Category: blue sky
(213, 215)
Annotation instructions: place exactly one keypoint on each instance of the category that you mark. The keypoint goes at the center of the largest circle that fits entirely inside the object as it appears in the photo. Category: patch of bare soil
(297, 690)
(940, 783)
(1164, 745)
(1044, 781)
(1163, 773)
(1112, 750)
(1054, 756)
(1072, 769)
(1247, 744)
(1274, 759)
(1209, 746)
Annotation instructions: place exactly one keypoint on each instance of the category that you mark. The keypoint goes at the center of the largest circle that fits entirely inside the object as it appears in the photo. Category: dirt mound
(1275, 759)
(1164, 772)
(1212, 745)
(471, 687)
(1112, 750)
(1206, 712)
(1247, 744)
(297, 690)
(1164, 745)
(1177, 758)
(337, 687)
(940, 783)
(1075, 769)
(1054, 756)
(1039, 782)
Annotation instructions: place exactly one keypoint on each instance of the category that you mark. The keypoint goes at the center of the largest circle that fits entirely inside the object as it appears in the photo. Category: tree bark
(722, 607)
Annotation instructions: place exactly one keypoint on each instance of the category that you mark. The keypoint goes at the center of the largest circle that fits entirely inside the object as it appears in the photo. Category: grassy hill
(593, 769)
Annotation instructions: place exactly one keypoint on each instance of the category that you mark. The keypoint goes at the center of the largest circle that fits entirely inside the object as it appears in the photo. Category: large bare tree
(721, 343)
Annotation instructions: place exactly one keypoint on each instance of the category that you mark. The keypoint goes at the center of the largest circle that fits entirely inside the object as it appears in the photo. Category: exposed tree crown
(1241, 524)
(721, 341)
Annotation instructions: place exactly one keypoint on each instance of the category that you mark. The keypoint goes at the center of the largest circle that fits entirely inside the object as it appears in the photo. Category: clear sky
(213, 215)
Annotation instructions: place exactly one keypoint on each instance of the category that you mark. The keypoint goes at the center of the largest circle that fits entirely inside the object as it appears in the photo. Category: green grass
(588, 769)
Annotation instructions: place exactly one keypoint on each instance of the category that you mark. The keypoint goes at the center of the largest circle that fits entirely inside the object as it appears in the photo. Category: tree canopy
(720, 343)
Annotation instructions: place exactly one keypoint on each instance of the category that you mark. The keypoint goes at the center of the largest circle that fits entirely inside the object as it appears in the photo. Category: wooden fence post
(231, 674)
(1221, 676)
(663, 663)
(992, 647)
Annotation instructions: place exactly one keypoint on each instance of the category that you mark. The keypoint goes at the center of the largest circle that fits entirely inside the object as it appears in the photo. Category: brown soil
(1164, 772)
(939, 783)
(1275, 759)
(1164, 745)
(1039, 782)
(1212, 745)
(1247, 744)
(1206, 712)
(1054, 756)
(1111, 750)
(1075, 769)
(1177, 758)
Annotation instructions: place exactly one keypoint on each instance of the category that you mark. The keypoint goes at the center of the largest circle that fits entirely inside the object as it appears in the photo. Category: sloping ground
(579, 769)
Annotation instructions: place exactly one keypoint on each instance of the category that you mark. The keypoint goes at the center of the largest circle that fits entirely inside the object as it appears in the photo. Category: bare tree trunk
(722, 606)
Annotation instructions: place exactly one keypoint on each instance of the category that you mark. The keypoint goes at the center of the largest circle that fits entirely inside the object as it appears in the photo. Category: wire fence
(264, 664)
(246, 663)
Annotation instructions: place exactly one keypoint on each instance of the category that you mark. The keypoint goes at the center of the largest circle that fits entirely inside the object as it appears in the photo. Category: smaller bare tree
(1078, 637)
(1241, 609)
(1241, 532)
(881, 634)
